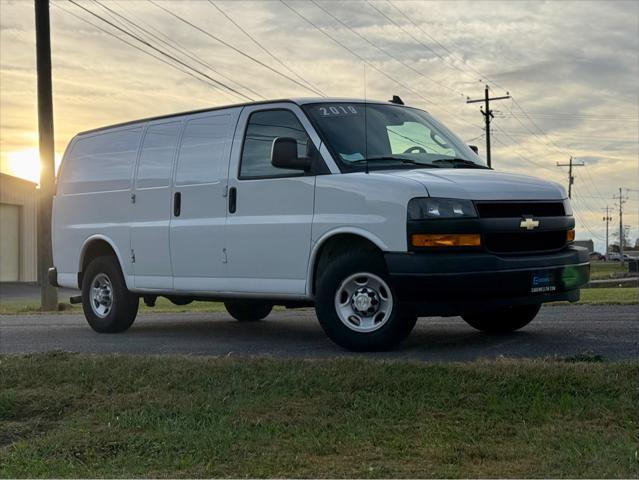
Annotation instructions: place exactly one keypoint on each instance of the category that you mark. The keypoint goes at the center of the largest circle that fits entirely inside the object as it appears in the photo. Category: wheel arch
(332, 243)
(93, 247)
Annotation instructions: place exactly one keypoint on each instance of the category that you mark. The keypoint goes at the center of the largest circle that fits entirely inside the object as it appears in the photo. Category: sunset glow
(26, 164)
(573, 91)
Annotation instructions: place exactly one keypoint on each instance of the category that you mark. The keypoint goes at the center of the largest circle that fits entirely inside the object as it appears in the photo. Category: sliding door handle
(232, 200)
(177, 204)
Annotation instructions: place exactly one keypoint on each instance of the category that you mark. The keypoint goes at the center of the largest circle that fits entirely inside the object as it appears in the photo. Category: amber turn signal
(570, 235)
(446, 240)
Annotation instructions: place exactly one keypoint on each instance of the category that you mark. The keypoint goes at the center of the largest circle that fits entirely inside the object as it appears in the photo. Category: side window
(156, 158)
(262, 129)
(414, 134)
(202, 151)
(102, 162)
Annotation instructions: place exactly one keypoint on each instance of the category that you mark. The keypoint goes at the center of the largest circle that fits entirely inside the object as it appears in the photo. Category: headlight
(424, 208)
(567, 207)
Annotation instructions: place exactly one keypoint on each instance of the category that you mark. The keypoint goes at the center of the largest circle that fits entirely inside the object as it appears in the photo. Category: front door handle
(177, 203)
(232, 200)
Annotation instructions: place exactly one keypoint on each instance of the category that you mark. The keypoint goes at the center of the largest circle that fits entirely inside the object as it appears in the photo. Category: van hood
(475, 184)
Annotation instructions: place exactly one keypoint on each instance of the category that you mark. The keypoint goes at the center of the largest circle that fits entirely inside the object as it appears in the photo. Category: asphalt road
(609, 331)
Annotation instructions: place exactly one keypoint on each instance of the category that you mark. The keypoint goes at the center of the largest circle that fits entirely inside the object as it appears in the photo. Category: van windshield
(388, 136)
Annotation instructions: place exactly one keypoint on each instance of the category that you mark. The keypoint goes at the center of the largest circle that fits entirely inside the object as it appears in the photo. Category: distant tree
(626, 239)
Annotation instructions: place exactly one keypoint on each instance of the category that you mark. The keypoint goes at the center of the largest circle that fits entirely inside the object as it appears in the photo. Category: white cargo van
(373, 212)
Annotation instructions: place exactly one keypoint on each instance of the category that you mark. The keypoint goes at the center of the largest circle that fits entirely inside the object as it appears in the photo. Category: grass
(590, 296)
(604, 270)
(609, 296)
(17, 307)
(65, 415)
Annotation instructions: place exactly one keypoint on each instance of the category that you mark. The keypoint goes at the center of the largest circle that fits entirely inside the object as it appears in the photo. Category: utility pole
(48, 293)
(607, 218)
(571, 178)
(488, 116)
(621, 200)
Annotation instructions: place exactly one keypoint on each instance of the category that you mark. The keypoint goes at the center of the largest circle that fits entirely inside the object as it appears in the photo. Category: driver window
(263, 127)
(416, 137)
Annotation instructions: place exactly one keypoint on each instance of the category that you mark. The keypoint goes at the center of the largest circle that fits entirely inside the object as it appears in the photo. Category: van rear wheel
(248, 310)
(502, 321)
(356, 306)
(108, 305)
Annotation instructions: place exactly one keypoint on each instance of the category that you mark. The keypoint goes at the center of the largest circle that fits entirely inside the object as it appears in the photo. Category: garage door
(9, 243)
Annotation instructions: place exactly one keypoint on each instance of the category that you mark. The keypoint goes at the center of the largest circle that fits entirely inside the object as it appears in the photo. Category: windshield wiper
(405, 161)
(460, 163)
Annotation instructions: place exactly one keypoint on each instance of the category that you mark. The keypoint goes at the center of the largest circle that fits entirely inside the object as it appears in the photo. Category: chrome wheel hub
(363, 302)
(101, 295)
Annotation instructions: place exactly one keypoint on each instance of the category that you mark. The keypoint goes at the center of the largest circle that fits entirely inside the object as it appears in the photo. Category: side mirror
(284, 155)
(474, 148)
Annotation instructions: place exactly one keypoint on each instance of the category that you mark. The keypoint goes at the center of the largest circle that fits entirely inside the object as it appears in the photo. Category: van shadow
(300, 335)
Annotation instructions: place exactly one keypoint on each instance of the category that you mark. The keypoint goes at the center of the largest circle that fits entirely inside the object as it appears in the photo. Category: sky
(571, 67)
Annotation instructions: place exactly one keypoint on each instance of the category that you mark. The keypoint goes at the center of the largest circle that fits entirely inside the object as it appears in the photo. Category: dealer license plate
(543, 282)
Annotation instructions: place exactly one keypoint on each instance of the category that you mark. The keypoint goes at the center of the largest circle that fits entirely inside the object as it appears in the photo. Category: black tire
(395, 329)
(124, 305)
(502, 321)
(248, 310)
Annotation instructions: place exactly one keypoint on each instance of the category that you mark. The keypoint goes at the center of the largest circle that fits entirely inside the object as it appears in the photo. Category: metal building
(18, 210)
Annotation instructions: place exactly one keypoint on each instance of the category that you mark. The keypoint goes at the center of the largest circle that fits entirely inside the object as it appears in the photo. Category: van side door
(198, 212)
(152, 206)
(270, 209)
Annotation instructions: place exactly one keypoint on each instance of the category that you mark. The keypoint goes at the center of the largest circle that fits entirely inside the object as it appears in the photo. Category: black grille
(520, 209)
(529, 242)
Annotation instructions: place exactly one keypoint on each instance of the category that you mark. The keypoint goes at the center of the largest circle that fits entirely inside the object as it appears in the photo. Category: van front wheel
(356, 306)
(503, 321)
(248, 310)
(108, 305)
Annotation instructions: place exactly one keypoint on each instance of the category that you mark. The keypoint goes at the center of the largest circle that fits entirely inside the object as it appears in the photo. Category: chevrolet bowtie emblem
(529, 224)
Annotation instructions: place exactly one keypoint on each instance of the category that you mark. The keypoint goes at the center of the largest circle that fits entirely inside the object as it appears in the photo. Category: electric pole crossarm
(491, 99)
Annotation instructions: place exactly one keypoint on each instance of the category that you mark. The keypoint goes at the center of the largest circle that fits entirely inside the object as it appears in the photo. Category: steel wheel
(101, 295)
(364, 302)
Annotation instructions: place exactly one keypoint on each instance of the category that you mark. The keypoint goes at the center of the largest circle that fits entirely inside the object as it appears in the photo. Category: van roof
(298, 101)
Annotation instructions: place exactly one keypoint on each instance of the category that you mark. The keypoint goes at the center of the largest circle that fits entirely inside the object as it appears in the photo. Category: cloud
(573, 66)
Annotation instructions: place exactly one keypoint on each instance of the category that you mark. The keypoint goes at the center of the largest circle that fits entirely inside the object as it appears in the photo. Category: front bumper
(456, 283)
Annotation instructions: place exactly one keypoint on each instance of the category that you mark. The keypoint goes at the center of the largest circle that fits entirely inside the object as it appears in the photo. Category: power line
(515, 102)
(228, 45)
(371, 65)
(161, 52)
(586, 226)
(264, 49)
(524, 158)
(160, 59)
(567, 116)
(413, 37)
(175, 46)
(481, 75)
(594, 137)
(547, 145)
(443, 85)
(590, 179)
